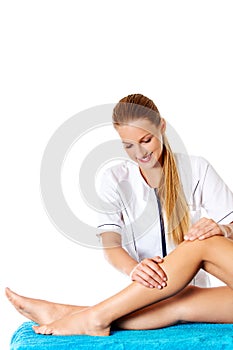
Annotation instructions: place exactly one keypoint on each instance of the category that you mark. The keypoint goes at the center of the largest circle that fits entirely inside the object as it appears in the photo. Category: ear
(163, 126)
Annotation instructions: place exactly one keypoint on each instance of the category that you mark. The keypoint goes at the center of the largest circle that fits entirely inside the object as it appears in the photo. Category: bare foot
(82, 322)
(40, 311)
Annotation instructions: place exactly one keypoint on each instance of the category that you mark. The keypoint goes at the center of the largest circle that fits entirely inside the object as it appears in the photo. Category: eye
(147, 140)
(127, 145)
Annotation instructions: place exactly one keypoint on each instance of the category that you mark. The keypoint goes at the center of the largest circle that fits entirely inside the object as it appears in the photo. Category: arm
(217, 200)
(115, 254)
(148, 272)
(227, 230)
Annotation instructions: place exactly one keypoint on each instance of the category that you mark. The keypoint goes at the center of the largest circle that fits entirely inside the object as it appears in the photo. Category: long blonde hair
(137, 106)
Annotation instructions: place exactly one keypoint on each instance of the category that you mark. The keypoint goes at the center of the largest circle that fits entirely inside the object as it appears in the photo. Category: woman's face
(142, 141)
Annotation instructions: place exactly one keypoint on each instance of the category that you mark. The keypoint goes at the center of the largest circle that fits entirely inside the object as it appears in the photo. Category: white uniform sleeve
(110, 216)
(217, 198)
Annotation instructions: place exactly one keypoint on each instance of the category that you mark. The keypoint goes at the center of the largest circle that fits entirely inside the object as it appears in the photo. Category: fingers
(203, 229)
(157, 259)
(153, 265)
(150, 274)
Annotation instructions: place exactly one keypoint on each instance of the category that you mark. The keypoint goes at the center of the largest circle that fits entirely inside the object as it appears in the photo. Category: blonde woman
(153, 208)
(156, 200)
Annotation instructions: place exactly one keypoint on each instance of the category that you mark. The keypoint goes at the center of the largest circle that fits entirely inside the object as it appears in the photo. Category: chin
(151, 165)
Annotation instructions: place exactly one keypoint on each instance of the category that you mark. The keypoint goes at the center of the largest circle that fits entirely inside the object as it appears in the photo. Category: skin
(143, 143)
(142, 138)
(176, 309)
(137, 307)
(138, 311)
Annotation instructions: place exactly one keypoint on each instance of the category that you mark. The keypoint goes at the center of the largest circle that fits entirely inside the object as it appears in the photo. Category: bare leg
(192, 304)
(214, 255)
(40, 311)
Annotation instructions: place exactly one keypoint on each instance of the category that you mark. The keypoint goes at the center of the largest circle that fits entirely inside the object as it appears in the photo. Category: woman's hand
(149, 273)
(205, 228)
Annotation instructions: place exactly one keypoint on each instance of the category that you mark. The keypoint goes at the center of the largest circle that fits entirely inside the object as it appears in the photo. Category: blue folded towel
(192, 336)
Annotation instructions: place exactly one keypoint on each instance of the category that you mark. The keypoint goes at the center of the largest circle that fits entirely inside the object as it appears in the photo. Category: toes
(11, 295)
(14, 299)
(42, 330)
(48, 331)
(8, 293)
(36, 329)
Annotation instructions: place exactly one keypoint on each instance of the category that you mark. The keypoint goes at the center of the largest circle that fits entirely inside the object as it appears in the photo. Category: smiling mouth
(146, 158)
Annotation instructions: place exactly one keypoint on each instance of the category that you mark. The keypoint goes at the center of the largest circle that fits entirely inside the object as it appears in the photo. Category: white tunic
(130, 206)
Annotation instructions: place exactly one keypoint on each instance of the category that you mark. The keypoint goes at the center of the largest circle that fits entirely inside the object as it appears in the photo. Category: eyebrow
(128, 142)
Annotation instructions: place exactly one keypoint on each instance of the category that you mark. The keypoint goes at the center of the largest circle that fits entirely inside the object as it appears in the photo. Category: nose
(140, 151)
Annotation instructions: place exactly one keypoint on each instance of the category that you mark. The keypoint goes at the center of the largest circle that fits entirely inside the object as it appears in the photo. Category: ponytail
(172, 197)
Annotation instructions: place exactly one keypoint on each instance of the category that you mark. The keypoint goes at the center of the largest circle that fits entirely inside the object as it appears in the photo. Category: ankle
(99, 318)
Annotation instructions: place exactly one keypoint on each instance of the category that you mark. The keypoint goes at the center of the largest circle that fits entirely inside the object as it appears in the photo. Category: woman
(161, 181)
(138, 307)
(151, 203)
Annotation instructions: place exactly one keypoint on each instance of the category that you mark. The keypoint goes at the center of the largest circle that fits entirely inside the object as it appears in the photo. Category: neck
(152, 176)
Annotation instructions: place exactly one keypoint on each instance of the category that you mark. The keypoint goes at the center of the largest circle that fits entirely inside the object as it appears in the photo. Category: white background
(61, 57)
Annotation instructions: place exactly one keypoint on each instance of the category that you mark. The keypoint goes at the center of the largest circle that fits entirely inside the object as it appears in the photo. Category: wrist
(132, 271)
(227, 230)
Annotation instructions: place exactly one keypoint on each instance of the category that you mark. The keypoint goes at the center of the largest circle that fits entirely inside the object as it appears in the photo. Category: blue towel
(192, 336)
